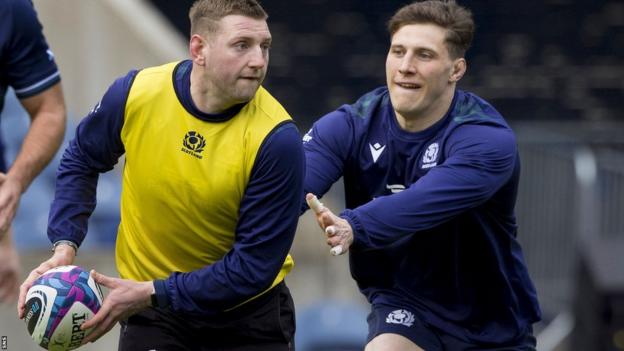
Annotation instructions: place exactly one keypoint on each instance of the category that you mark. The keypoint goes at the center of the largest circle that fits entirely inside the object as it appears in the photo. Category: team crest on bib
(403, 317)
(194, 143)
(430, 158)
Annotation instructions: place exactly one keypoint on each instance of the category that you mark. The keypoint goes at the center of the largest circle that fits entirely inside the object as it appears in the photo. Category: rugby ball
(58, 303)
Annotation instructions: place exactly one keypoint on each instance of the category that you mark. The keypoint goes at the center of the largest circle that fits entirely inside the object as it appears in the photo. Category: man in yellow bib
(212, 185)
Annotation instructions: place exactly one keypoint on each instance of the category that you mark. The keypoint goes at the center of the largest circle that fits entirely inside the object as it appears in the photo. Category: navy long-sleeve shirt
(26, 63)
(432, 213)
(267, 216)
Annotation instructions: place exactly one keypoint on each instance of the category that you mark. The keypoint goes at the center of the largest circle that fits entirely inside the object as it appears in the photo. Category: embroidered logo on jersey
(430, 158)
(308, 136)
(395, 188)
(194, 144)
(376, 150)
(403, 317)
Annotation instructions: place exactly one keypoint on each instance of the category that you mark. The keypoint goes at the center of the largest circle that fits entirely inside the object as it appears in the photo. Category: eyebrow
(417, 48)
(250, 38)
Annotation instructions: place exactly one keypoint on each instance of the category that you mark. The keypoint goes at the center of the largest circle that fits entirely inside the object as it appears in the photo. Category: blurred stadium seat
(330, 325)
(31, 220)
(533, 59)
(599, 298)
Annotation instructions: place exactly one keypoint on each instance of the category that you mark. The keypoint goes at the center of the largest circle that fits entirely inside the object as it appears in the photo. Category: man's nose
(259, 58)
(407, 65)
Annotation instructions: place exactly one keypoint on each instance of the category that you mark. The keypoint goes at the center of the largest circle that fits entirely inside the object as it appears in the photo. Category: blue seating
(331, 326)
(31, 220)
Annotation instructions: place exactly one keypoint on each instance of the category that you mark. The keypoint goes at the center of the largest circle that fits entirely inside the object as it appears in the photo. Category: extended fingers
(103, 279)
(337, 250)
(23, 290)
(21, 301)
(101, 328)
(314, 203)
(107, 309)
(339, 236)
(334, 240)
(327, 218)
(100, 316)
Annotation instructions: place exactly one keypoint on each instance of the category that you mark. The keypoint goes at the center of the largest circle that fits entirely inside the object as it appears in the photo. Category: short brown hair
(457, 21)
(205, 13)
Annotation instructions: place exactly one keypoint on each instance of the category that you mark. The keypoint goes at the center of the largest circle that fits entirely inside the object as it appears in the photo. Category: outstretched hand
(125, 298)
(63, 255)
(338, 231)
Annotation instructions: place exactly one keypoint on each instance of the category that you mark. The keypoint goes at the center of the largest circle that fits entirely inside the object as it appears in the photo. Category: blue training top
(26, 62)
(432, 213)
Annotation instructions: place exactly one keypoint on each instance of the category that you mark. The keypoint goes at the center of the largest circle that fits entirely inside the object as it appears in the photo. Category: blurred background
(553, 68)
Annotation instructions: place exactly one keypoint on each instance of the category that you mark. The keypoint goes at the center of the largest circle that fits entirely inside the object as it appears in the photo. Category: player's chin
(247, 89)
(405, 107)
(253, 83)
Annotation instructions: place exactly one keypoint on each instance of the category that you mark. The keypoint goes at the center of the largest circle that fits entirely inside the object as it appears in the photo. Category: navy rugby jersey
(267, 217)
(432, 213)
(26, 63)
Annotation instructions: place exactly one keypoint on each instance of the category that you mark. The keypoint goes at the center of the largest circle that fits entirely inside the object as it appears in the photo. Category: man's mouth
(406, 85)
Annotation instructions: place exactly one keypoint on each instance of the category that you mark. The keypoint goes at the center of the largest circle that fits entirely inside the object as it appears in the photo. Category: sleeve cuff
(65, 242)
(161, 293)
(68, 235)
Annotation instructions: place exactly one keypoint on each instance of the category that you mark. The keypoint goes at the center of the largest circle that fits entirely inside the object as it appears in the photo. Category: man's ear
(197, 44)
(459, 68)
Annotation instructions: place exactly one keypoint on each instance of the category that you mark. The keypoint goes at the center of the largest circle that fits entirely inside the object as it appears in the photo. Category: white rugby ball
(58, 303)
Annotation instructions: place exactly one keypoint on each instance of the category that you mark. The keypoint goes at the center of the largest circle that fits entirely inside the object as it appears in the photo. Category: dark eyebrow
(250, 38)
(426, 50)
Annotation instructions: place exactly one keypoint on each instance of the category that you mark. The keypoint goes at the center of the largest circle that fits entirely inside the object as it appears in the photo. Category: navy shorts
(266, 323)
(402, 321)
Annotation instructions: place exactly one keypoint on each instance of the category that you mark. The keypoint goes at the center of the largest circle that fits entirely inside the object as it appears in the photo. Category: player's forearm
(41, 143)
(221, 286)
(75, 196)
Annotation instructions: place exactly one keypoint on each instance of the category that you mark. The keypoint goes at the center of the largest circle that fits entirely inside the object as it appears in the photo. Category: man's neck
(425, 119)
(204, 95)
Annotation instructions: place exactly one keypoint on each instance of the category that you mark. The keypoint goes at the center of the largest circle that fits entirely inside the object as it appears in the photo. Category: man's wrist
(65, 243)
(19, 180)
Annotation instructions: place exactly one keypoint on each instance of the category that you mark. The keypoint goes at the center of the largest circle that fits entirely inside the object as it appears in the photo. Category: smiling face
(233, 61)
(421, 75)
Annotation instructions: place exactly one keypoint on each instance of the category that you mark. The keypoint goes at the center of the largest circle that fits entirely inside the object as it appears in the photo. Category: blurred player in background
(27, 65)
(431, 175)
(212, 186)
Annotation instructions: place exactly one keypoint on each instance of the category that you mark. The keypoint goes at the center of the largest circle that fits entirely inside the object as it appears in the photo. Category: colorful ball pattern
(58, 303)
